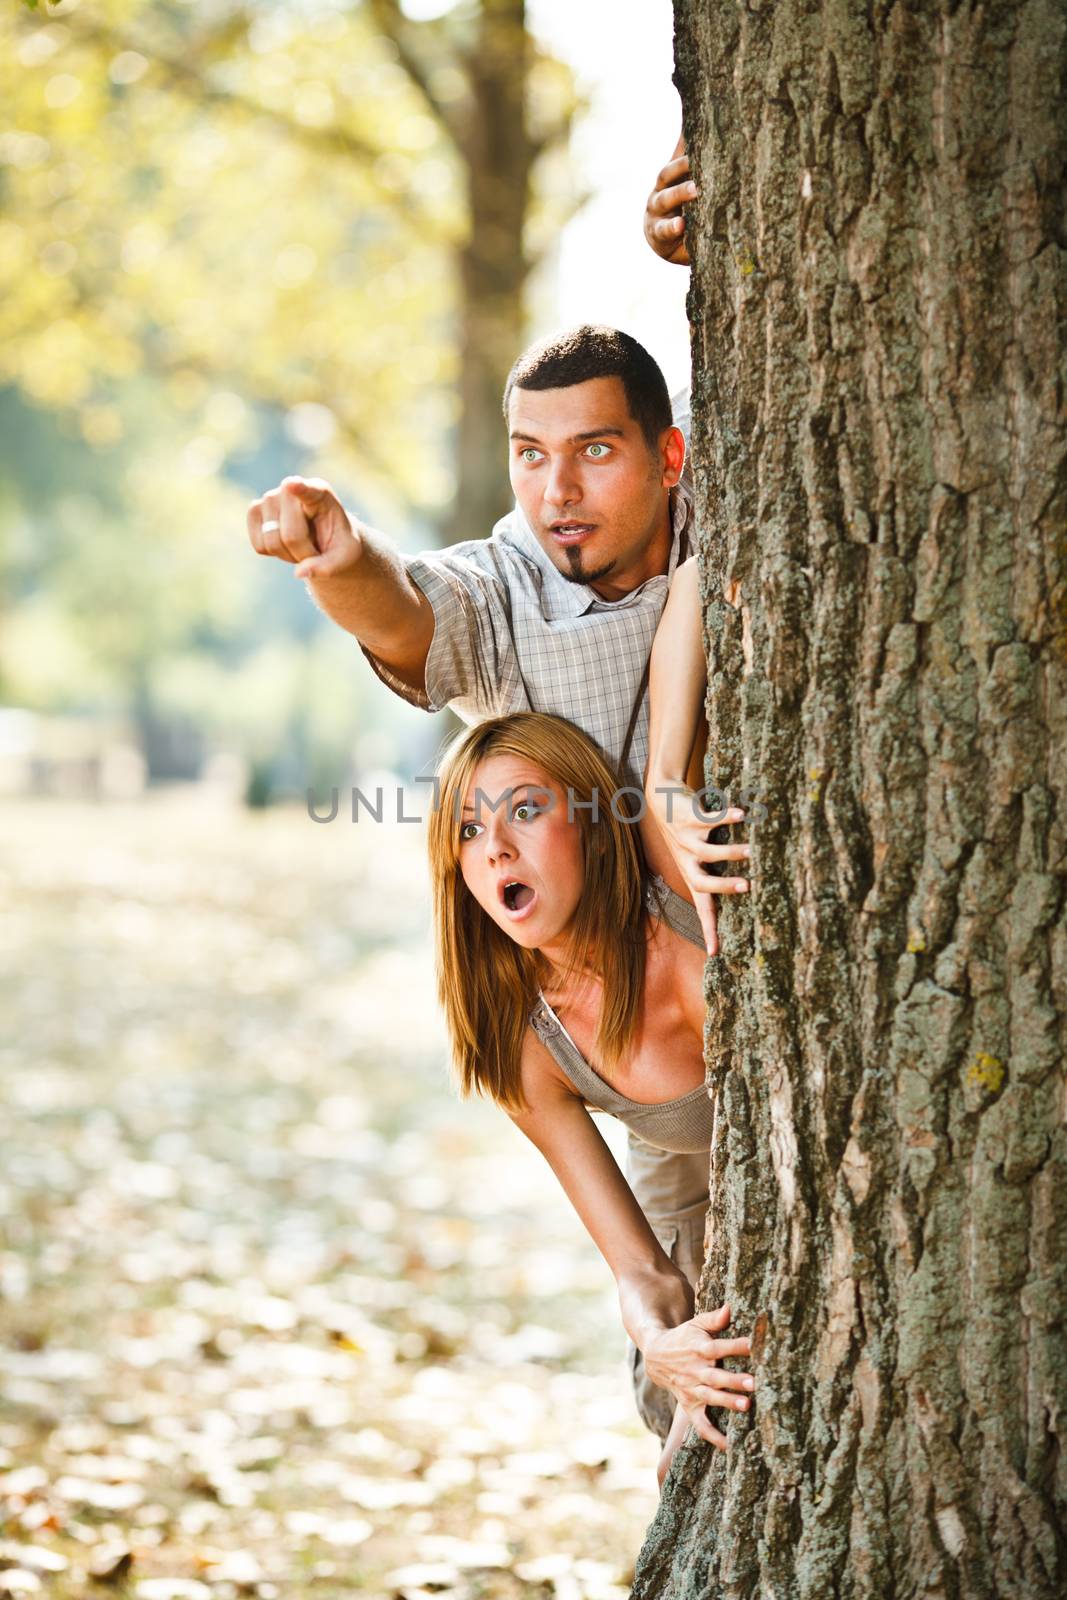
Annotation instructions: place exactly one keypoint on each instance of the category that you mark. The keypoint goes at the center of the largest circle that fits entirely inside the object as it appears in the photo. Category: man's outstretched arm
(355, 575)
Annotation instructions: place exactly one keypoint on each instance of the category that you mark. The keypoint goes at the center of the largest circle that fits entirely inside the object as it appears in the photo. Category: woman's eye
(599, 451)
(468, 831)
(528, 810)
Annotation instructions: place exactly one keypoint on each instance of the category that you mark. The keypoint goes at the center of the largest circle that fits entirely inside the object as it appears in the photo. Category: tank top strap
(676, 910)
(598, 1094)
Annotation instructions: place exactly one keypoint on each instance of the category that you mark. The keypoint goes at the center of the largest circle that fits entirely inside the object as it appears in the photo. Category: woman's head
(536, 866)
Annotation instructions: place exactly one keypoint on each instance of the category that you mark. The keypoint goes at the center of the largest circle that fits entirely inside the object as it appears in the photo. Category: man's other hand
(664, 221)
(304, 523)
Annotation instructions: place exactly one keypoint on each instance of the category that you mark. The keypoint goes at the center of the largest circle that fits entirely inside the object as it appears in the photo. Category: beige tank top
(683, 1125)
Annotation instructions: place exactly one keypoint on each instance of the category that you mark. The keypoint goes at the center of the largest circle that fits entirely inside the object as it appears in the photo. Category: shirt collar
(560, 599)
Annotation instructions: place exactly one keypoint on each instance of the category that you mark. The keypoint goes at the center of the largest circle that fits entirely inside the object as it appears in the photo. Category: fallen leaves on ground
(279, 1316)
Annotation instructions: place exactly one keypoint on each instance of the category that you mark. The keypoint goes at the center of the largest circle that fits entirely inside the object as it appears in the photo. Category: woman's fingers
(707, 883)
(707, 849)
(697, 848)
(692, 819)
(736, 850)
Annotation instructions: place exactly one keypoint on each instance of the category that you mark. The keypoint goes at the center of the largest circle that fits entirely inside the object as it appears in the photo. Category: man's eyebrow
(575, 438)
(597, 433)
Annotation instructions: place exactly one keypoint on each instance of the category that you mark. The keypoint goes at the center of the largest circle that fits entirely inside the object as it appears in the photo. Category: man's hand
(304, 523)
(685, 827)
(664, 221)
(678, 1431)
(685, 1361)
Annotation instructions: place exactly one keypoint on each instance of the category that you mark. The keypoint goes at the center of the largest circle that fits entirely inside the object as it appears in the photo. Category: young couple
(570, 937)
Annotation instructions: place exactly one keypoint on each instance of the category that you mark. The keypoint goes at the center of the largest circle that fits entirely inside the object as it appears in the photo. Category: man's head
(594, 455)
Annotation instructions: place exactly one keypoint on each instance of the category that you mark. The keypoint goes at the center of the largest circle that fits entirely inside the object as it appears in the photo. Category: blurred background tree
(230, 231)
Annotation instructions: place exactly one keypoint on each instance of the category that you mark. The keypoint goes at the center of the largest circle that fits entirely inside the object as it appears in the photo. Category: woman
(570, 981)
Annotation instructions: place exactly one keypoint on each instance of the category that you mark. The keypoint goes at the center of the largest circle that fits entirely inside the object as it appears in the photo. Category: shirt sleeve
(682, 412)
(472, 653)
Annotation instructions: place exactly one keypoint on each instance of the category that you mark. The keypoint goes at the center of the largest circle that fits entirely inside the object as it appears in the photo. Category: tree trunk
(878, 307)
(498, 141)
(498, 158)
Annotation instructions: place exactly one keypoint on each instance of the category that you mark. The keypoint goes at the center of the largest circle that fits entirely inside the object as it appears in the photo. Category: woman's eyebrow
(507, 794)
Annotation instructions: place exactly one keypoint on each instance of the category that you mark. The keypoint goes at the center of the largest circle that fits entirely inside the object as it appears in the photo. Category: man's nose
(562, 487)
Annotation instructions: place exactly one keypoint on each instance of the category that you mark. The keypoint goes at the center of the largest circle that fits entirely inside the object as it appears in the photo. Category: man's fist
(664, 222)
(303, 522)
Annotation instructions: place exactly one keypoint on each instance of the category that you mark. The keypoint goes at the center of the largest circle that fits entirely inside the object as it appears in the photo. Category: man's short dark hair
(598, 352)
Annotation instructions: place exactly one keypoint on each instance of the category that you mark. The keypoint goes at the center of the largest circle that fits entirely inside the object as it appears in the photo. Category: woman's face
(520, 855)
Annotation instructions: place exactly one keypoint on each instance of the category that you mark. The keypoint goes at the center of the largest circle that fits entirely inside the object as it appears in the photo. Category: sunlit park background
(279, 1315)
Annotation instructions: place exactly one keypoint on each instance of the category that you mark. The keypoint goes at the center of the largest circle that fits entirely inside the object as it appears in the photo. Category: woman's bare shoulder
(543, 1079)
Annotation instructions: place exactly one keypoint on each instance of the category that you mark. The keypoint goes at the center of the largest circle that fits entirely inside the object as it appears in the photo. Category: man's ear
(672, 454)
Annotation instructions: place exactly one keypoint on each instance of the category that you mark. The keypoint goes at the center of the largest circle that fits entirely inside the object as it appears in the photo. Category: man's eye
(599, 451)
(529, 456)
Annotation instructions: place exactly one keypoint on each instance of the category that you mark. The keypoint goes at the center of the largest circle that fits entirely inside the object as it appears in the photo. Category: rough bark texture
(878, 307)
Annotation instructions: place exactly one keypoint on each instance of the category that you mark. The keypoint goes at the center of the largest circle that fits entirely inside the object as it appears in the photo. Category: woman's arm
(677, 734)
(655, 1297)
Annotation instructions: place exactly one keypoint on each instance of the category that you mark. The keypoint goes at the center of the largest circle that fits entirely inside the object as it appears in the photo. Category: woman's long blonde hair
(488, 984)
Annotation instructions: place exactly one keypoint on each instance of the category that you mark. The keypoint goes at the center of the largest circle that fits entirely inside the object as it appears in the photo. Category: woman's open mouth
(517, 898)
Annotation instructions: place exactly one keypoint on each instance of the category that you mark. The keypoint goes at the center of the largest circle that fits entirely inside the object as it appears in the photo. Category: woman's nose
(498, 845)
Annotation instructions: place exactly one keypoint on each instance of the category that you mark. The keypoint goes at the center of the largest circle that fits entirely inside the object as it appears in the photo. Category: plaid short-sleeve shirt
(512, 634)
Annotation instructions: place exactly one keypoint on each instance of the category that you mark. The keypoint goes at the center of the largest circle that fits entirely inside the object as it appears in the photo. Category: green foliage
(228, 234)
(127, 574)
(261, 200)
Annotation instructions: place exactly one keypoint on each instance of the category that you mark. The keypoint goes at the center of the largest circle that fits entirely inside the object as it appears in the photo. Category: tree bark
(878, 307)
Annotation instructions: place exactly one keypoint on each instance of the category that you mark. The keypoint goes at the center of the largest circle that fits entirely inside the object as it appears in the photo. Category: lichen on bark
(878, 305)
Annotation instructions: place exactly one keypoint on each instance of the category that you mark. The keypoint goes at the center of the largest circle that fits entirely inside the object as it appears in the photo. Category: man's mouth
(516, 897)
(571, 532)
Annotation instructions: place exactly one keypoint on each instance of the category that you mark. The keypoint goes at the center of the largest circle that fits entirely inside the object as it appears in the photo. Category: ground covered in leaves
(278, 1315)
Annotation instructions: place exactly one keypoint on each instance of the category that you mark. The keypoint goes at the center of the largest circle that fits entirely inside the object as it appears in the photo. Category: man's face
(593, 493)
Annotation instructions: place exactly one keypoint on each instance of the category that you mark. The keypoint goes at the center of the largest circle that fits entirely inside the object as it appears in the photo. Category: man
(556, 611)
